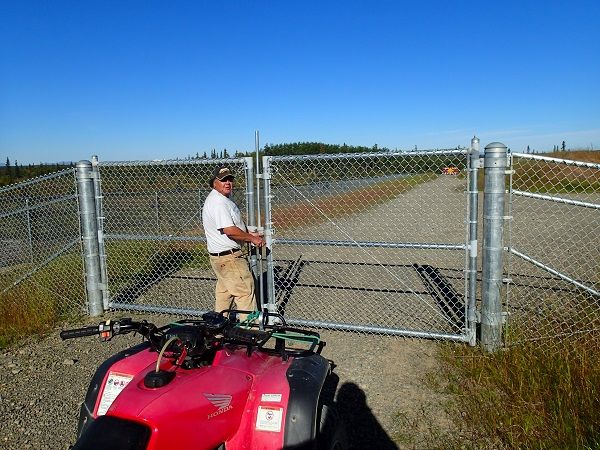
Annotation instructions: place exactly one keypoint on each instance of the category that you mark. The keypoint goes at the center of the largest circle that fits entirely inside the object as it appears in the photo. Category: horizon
(147, 80)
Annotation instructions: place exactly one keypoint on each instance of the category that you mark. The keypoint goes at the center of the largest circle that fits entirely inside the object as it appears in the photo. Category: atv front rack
(190, 341)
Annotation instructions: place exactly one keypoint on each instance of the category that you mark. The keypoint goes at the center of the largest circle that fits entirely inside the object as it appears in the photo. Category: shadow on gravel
(441, 290)
(362, 428)
(159, 267)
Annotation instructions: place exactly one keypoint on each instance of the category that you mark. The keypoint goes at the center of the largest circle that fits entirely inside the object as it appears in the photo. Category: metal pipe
(308, 323)
(473, 206)
(157, 211)
(173, 162)
(556, 199)
(493, 221)
(89, 237)
(370, 155)
(557, 160)
(370, 244)
(29, 233)
(259, 264)
(158, 309)
(145, 237)
(553, 272)
(376, 329)
(269, 234)
(38, 206)
(100, 224)
(251, 212)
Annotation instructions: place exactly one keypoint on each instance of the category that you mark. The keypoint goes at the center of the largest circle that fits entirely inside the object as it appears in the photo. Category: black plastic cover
(306, 376)
(107, 432)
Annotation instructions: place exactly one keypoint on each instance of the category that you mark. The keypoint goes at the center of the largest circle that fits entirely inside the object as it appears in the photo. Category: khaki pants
(235, 284)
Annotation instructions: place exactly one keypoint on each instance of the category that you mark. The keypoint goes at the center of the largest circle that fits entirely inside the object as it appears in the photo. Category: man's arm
(237, 234)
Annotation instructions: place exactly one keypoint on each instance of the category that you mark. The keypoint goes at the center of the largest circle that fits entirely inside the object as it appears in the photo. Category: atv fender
(306, 377)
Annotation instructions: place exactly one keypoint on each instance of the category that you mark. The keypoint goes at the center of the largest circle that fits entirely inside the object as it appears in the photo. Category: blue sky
(144, 80)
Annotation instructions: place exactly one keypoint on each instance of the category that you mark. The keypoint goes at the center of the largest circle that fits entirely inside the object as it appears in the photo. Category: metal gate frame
(470, 247)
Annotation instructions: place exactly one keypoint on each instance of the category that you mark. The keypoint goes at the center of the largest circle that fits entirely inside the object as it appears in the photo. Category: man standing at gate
(225, 233)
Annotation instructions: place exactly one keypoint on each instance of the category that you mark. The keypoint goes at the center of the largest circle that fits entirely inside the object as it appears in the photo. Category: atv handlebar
(213, 329)
(80, 332)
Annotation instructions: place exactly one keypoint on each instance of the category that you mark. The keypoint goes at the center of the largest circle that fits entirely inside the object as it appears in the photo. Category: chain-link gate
(372, 242)
(153, 240)
(554, 248)
(41, 274)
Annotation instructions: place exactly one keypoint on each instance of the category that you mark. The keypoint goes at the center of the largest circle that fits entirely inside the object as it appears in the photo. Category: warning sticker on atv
(269, 419)
(270, 398)
(115, 383)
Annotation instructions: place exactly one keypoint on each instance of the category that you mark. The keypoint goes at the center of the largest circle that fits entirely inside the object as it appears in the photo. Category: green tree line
(14, 172)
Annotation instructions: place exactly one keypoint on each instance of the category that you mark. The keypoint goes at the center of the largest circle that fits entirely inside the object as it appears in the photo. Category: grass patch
(527, 397)
(55, 293)
(321, 209)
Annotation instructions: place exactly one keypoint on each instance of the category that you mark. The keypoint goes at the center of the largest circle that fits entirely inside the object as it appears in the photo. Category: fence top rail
(557, 160)
(370, 154)
(172, 162)
(22, 184)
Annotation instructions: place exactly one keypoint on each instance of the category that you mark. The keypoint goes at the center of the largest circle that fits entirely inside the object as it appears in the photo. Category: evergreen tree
(8, 171)
(564, 147)
(17, 171)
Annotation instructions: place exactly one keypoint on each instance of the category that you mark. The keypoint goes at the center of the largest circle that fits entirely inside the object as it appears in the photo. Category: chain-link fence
(41, 274)
(371, 242)
(554, 248)
(156, 258)
(375, 242)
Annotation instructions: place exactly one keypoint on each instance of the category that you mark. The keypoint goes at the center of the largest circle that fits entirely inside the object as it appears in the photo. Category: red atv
(211, 384)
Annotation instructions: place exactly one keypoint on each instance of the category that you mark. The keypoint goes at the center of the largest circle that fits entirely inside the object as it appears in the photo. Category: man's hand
(241, 236)
(256, 239)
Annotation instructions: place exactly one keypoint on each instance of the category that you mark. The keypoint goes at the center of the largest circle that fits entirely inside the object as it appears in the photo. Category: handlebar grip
(246, 336)
(80, 332)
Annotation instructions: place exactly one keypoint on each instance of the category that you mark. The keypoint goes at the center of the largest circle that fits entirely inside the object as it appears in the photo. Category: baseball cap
(220, 173)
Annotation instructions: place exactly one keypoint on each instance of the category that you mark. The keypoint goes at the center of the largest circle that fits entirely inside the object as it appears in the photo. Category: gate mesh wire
(41, 273)
(555, 209)
(347, 230)
(154, 240)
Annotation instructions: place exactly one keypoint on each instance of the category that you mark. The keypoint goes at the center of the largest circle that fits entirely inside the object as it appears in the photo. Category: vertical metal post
(493, 223)
(251, 209)
(157, 212)
(473, 243)
(29, 232)
(259, 266)
(89, 236)
(100, 224)
(269, 234)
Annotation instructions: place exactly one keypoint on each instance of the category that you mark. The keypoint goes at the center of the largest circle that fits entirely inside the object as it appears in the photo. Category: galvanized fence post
(29, 231)
(100, 223)
(473, 243)
(493, 220)
(89, 236)
(251, 209)
(271, 305)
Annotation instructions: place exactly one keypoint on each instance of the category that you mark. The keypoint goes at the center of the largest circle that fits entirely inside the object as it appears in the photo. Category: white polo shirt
(220, 212)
